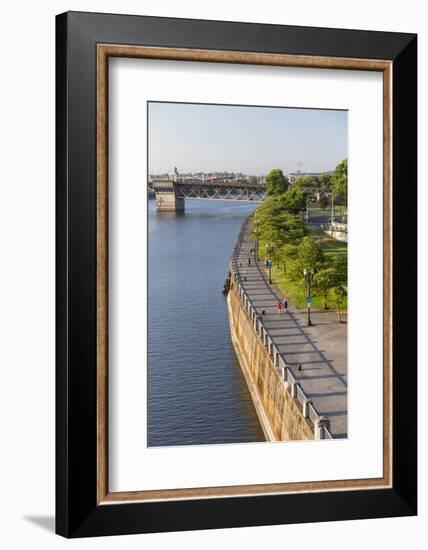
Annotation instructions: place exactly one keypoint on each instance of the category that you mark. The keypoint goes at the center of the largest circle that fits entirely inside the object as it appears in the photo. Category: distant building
(207, 177)
(293, 176)
(315, 192)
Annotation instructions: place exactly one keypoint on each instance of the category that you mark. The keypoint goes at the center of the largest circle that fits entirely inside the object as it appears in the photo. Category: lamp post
(256, 250)
(309, 275)
(269, 263)
(307, 208)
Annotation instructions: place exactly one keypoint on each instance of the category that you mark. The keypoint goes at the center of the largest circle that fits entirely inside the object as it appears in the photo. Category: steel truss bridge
(236, 190)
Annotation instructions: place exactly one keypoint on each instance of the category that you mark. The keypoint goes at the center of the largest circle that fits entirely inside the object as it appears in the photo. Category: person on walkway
(279, 307)
(249, 262)
(285, 304)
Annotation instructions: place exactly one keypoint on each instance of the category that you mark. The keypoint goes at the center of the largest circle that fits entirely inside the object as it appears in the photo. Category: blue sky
(251, 140)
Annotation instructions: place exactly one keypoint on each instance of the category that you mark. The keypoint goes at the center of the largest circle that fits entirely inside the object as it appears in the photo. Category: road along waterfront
(320, 385)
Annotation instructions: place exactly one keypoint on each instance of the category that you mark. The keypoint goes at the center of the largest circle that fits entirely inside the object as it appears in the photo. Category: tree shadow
(306, 357)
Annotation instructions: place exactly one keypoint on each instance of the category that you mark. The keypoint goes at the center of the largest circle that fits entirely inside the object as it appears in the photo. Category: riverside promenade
(320, 350)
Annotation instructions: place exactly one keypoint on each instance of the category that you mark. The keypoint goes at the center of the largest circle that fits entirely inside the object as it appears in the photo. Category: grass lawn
(295, 291)
(316, 210)
(331, 247)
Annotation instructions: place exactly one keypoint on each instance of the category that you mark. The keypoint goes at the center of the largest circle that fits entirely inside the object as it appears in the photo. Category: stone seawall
(279, 414)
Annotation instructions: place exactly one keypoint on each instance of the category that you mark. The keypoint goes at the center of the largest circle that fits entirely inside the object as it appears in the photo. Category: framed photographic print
(236, 274)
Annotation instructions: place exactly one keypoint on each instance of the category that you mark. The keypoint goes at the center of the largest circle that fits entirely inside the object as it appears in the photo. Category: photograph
(222, 359)
(247, 274)
(192, 356)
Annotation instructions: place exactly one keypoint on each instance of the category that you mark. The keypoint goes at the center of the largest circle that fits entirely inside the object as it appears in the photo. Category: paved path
(321, 349)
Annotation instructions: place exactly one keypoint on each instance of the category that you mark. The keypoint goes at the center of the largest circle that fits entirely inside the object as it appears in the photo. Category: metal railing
(320, 423)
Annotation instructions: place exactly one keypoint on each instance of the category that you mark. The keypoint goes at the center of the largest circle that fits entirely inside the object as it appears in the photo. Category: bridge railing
(309, 411)
(240, 190)
(219, 182)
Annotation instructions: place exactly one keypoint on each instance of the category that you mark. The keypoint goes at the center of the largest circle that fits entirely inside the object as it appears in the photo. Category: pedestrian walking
(279, 307)
(249, 262)
(285, 304)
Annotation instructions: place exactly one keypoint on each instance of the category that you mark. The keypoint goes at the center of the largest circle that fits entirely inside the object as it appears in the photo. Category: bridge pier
(166, 197)
(169, 202)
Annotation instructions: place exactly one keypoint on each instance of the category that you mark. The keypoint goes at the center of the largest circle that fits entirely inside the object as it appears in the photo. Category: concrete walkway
(321, 349)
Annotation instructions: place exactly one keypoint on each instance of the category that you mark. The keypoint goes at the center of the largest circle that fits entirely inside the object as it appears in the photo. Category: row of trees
(288, 199)
(336, 183)
(284, 238)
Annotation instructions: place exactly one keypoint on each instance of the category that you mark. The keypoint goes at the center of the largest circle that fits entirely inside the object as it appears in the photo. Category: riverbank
(320, 350)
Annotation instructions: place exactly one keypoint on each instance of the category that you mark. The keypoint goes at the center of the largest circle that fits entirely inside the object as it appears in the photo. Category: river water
(196, 391)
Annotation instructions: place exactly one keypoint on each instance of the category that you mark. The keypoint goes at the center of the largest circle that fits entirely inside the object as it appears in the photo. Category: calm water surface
(196, 390)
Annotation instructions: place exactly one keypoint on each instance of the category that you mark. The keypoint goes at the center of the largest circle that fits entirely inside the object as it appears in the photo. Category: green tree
(340, 294)
(267, 211)
(278, 232)
(273, 215)
(289, 254)
(276, 182)
(293, 228)
(323, 202)
(270, 243)
(307, 182)
(294, 200)
(325, 181)
(290, 230)
(340, 266)
(339, 182)
(325, 281)
(310, 254)
(309, 257)
(340, 280)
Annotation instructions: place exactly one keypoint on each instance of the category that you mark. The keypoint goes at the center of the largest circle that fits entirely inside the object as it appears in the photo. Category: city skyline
(248, 139)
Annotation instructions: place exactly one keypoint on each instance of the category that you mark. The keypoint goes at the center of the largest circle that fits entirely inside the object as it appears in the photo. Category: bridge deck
(321, 349)
(221, 190)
